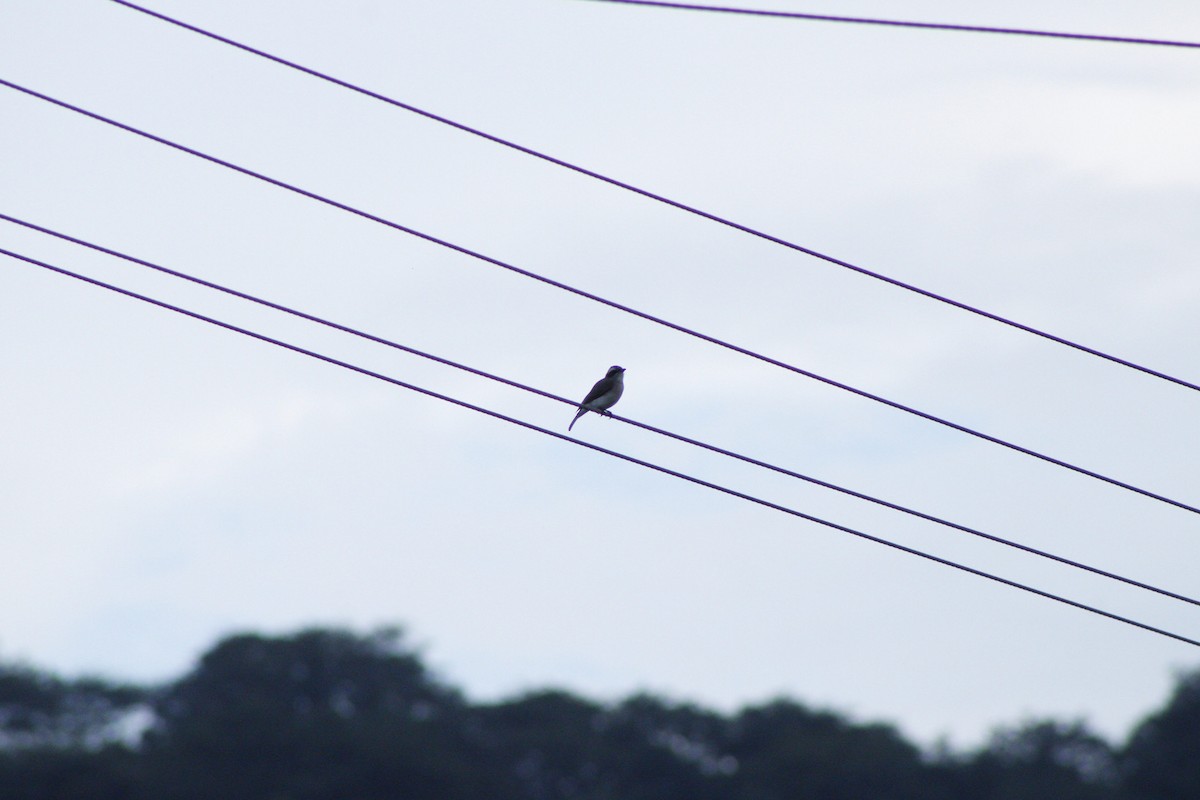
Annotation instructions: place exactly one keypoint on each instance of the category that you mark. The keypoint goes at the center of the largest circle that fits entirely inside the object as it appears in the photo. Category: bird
(604, 395)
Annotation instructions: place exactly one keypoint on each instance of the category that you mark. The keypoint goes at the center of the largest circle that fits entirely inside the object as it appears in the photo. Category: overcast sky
(164, 483)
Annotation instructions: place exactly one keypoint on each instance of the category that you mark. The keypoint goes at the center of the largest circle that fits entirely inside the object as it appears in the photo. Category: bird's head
(614, 371)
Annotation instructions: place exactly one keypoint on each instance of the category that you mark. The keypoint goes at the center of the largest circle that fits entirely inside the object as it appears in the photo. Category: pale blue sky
(165, 483)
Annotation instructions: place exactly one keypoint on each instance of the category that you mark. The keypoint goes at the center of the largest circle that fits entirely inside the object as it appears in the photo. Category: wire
(635, 423)
(673, 203)
(610, 303)
(898, 23)
(631, 459)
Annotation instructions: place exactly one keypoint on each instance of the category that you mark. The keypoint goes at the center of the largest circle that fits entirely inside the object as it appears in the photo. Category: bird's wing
(603, 386)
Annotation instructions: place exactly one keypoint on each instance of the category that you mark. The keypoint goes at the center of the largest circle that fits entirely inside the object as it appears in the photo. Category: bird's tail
(578, 414)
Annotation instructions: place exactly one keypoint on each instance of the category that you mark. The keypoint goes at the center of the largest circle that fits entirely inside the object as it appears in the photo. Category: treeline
(331, 715)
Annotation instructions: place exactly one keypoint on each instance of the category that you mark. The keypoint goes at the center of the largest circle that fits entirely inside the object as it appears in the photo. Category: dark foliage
(70, 773)
(787, 752)
(1038, 759)
(328, 715)
(1162, 759)
(39, 710)
(321, 714)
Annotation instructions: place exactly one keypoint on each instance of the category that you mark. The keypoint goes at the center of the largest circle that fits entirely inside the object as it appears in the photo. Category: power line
(674, 203)
(604, 301)
(631, 459)
(897, 23)
(523, 387)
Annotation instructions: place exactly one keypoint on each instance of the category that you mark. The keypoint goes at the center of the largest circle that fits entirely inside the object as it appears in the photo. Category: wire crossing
(615, 454)
(572, 403)
(675, 203)
(939, 26)
(604, 301)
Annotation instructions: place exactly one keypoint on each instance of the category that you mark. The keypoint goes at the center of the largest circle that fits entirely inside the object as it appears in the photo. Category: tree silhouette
(787, 752)
(321, 714)
(333, 715)
(1162, 759)
(38, 709)
(1043, 759)
(64, 739)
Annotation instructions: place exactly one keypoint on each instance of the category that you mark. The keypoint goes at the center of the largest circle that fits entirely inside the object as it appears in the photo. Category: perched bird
(604, 395)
